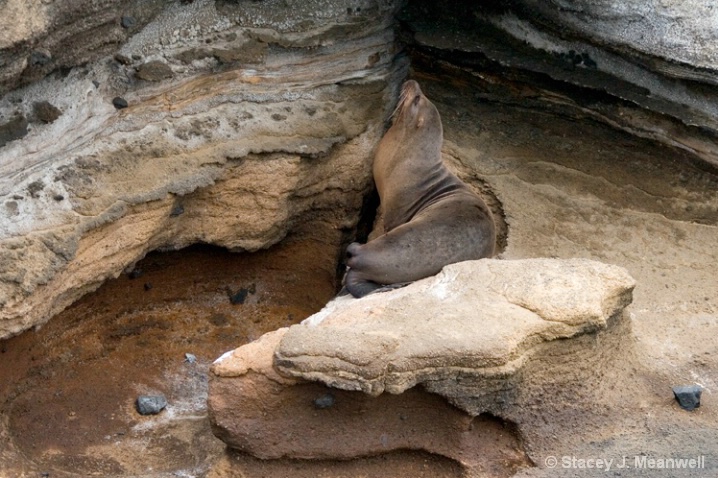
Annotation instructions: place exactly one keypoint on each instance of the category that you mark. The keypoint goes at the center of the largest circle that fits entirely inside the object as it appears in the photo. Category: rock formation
(212, 87)
(481, 334)
(648, 68)
(240, 123)
(590, 125)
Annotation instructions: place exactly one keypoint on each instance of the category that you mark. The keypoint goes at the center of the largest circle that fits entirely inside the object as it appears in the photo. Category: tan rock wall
(238, 126)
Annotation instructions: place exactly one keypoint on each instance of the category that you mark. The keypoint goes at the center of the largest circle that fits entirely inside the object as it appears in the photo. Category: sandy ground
(577, 188)
(568, 187)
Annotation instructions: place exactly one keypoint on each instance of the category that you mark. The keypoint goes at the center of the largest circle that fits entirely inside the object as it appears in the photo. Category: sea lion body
(431, 218)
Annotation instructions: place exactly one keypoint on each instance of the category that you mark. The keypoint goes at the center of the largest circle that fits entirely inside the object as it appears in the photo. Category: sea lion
(431, 218)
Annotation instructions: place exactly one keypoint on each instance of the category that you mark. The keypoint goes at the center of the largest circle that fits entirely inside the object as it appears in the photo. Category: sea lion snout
(410, 94)
(412, 103)
(410, 87)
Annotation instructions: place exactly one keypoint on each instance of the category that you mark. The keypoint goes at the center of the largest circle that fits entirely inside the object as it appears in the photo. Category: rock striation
(239, 126)
(647, 68)
(116, 114)
(488, 336)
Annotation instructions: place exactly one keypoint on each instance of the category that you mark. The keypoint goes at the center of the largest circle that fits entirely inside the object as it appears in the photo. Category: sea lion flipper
(388, 287)
(357, 286)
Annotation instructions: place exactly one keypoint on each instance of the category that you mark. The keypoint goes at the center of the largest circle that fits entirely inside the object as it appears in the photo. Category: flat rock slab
(488, 336)
(476, 318)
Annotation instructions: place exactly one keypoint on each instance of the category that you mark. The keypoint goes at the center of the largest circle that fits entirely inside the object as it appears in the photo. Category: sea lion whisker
(400, 104)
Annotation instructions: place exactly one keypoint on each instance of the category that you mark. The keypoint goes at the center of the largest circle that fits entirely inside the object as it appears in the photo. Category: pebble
(325, 401)
(127, 21)
(177, 211)
(688, 396)
(150, 404)
(190, 358)
(239, 297)
(119, 102)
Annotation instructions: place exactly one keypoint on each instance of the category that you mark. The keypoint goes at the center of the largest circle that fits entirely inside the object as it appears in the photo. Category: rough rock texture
(679, 32)
(230, 154)
(257, 411)
(476, 320)
(532, 94)
(471, 334)
(39, 37)
(573, 187)
(648, 67)
(239, 78)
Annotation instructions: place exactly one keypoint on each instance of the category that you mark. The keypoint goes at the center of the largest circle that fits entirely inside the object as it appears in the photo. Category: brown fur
(431, 218)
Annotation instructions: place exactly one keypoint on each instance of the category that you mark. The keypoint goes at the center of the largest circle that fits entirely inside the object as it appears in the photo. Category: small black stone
(148, 285)
(127, 21)
(150, 404)
(177, 211)
(239, 297)
(119, 102)
(325, 401)
(39, 58)
(58, 197)
(688, 396)
(135, 273)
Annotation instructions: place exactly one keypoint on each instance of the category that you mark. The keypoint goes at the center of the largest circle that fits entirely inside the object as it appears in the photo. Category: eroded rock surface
(232, 144)
(470, 334)
(484, 317)
(648, 68)
(532, 95)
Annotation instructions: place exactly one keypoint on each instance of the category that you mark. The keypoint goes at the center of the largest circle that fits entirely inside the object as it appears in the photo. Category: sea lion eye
(416, 100)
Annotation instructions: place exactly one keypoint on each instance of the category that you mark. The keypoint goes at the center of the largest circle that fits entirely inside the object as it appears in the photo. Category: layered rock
(647, 68)
(489, 336)
(39, 37)
(242, 121)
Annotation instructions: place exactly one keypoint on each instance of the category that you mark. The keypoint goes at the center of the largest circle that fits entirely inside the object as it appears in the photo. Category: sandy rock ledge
(491, 337)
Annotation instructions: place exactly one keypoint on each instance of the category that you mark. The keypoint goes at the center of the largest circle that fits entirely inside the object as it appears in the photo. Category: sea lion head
(414, 110)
